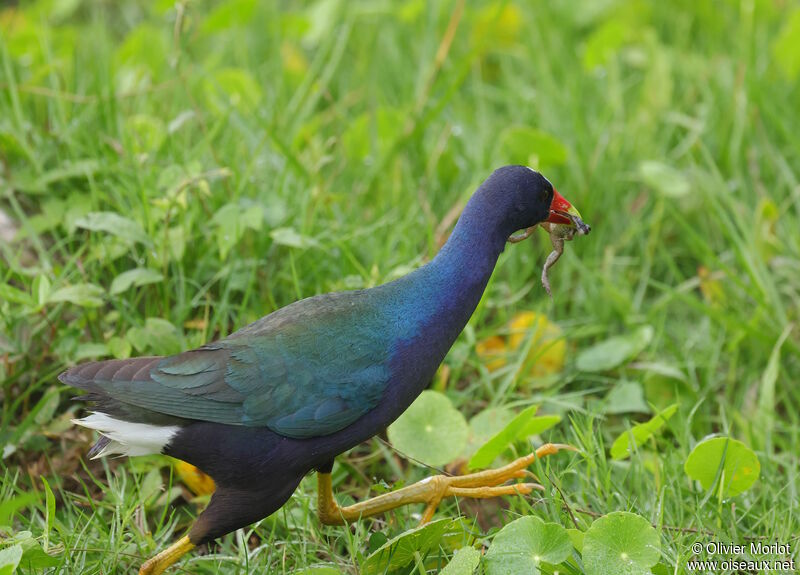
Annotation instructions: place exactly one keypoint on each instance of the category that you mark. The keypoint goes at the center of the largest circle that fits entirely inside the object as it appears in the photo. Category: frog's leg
(558, 249)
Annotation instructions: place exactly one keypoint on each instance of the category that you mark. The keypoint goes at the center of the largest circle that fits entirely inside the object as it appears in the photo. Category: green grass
(268, 153)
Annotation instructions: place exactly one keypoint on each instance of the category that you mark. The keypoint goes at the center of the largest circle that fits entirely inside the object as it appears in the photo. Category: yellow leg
(432, 490)
(158, 564)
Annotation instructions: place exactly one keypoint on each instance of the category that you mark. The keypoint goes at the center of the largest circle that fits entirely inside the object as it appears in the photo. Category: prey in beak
(565, 214)
(563, 224)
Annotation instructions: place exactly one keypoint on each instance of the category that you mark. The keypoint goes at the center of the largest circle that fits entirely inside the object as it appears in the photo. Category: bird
(283, 396)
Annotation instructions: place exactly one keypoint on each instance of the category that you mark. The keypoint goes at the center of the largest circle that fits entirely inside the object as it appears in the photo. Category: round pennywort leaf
(523, 545)
(431, 430)
(621, 543)
(464, 562)
(725, 462)
(614, 351)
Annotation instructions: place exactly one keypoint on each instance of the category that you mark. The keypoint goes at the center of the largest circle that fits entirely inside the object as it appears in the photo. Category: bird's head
(532, 200)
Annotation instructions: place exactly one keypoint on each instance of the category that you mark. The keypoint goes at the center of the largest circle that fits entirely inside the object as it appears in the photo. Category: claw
(431, 490)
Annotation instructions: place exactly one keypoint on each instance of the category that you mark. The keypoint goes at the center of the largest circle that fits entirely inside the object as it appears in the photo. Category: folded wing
(307, 370)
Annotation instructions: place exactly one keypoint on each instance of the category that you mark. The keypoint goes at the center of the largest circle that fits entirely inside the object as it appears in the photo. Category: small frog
(560, 233)
(563, 224)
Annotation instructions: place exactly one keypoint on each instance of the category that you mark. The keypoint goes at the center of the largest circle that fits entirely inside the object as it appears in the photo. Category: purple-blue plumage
(286, 394)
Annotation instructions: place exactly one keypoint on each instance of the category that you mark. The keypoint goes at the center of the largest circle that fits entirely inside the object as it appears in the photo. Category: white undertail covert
(128, 438)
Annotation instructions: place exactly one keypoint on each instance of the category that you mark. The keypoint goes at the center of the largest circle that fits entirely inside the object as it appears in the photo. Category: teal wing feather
(309, 369)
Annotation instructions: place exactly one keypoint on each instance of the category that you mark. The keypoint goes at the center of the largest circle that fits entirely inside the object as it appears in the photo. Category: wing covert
(305, 374)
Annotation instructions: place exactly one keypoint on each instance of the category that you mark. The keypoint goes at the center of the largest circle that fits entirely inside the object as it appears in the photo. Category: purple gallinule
(285, 395)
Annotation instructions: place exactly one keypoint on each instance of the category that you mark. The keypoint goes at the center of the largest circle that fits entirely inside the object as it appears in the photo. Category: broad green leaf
(228, 228)
(620, 543)
(83, 295)
(275, 211)
(21, 537)
(35, 558)
(400, 551)
(626, 397)
(522, 545)
(14, 295)
(604, 43)
(431, 430)
(291, 238)
(119, 347)
(108, 250)
(135, 277)
(485, 425)
(537, 425)
(501, 440)
(232, 88)
(640, 433)
(252, 217)
(464, 562)
(114, 224)
(520, 428)
(664, 179)
(660, 369)
(231, 220)
(377, 539)
(460, 534)
(158, 335)
(576, 536)
(614, 351)
(725, 462)
(531, 147)
(9, 559)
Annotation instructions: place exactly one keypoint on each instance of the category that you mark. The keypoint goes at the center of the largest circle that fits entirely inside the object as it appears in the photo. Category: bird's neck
(468, 258)
(447, 290)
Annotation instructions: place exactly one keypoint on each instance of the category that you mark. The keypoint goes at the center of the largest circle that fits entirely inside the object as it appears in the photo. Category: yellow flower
(548, 346)
(492, 351)
(547, 349)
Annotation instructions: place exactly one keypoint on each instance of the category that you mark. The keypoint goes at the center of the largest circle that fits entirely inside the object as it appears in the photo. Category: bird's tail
(124, 429)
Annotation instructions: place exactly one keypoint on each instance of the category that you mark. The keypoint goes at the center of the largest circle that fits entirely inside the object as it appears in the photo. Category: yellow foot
(158, 564)
(433, 489)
